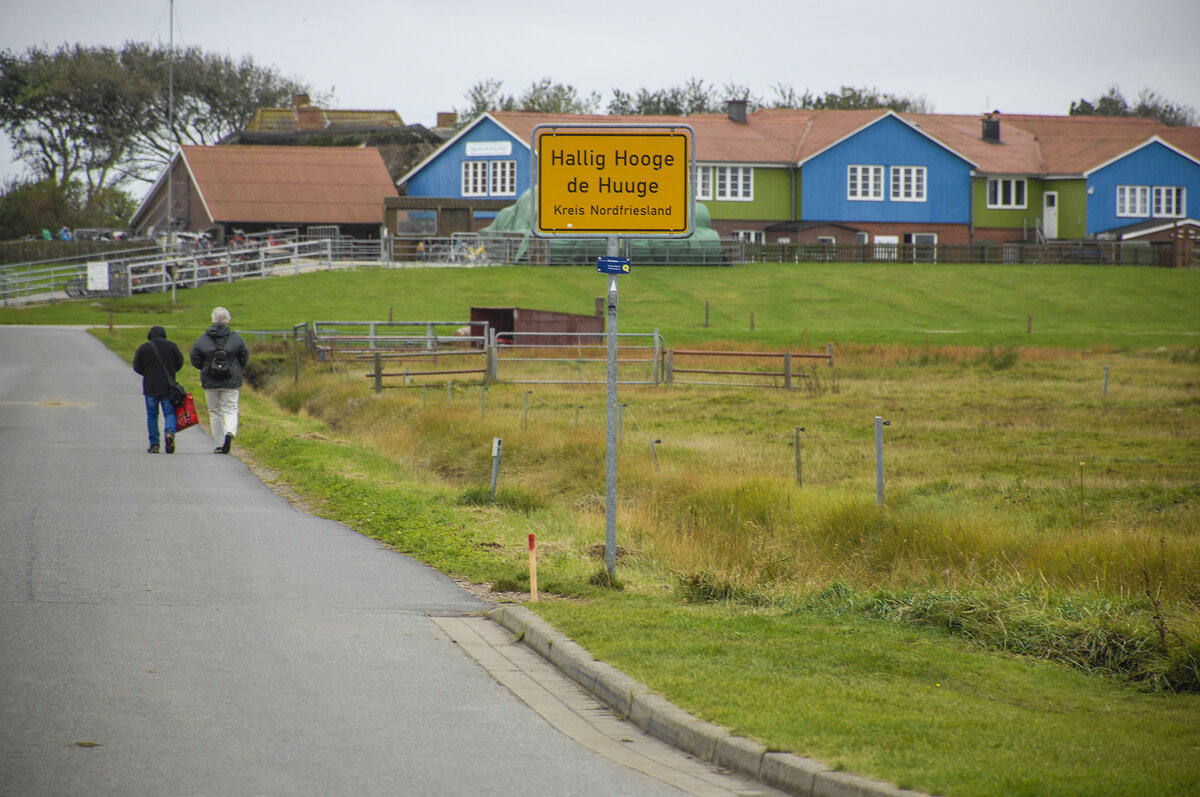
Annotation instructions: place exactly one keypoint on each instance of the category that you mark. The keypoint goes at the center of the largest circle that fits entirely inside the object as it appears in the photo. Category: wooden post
(532, 570)
(830, 350)
(796, 430)
(378, 373)
(787, 370)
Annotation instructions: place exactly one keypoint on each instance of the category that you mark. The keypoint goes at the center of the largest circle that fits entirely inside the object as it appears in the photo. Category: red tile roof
(291, 185)
(1032, 145)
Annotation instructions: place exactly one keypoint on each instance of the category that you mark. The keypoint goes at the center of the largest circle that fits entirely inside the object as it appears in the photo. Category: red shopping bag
(186, 415)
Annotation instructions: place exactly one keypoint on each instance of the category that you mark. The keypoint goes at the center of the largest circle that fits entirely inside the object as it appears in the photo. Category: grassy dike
(873, 656)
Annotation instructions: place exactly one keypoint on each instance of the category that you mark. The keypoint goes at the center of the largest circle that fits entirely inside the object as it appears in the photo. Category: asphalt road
(170, 626)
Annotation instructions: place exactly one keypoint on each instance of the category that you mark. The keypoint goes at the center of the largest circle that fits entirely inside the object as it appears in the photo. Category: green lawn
(1077, 307)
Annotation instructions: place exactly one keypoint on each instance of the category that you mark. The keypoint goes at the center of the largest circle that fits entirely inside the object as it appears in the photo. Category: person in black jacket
(158, 372)
(220, 354)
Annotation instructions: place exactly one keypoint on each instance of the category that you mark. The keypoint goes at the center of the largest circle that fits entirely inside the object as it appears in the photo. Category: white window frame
(749, 236)
(704, 183)
(503, 180)
(489, 178)
(1000, 199)
(474, 178)
(734, 183)
(908, 183)
(1133, 201)
(1170, 201)
(864, 183)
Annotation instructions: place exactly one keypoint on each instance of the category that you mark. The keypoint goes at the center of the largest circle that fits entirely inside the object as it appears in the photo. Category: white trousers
(223, 412)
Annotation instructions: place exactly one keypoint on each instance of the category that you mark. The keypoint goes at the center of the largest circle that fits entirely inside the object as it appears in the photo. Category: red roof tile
(1029, 144)
(291, 185)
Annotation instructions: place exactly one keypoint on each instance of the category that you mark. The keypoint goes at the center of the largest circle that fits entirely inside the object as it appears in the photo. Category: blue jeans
(168, 411)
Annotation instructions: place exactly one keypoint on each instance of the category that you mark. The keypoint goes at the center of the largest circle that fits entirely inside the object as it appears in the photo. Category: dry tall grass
(982, 463)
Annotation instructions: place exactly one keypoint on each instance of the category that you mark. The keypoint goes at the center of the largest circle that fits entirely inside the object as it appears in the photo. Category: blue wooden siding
(1152, 165)
(442, 177)
(889, 142)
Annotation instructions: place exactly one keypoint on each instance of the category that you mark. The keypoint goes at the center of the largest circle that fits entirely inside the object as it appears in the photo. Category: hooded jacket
(202, 352)
(156, 381)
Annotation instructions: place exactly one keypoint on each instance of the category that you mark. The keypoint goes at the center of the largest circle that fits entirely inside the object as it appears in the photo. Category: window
(1168, 201)
(749, 236)
(489, 178)
(908, 183)
(474, 178)
(735, 182)
(504, 178)
(864, 183)
(1133, 200)
(704, 182)
(1005, 192)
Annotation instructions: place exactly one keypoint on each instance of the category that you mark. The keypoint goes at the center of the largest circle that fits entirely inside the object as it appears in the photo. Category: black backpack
(218, 366)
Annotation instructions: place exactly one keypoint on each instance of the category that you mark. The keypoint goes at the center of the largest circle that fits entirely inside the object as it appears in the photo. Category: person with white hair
(220, 354)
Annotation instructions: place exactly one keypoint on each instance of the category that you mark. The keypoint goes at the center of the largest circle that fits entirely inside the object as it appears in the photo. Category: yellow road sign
(613, 181)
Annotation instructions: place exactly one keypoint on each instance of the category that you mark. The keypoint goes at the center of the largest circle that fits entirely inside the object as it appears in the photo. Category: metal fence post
(497, 444)
(657, 349)
(787, 370)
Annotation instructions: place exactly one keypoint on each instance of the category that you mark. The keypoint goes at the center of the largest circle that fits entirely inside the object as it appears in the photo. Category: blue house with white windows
(1152, 181)
(871, 176)
(889, 172)
(483, 160)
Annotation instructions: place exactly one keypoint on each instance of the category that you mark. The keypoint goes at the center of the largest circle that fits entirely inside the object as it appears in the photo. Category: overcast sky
(419, 57)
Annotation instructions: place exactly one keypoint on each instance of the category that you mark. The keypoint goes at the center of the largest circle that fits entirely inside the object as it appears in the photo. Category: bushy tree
(542, 96)
(847, 98)
(1150, 105)
(102, 116)
(72, 114)
(30, 206)
(693, 97)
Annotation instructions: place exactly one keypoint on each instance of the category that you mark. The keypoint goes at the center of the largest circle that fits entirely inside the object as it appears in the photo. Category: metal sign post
(613, 181)
(610, 460)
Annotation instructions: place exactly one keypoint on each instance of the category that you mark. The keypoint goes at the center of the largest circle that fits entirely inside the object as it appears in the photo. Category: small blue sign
(612, 265)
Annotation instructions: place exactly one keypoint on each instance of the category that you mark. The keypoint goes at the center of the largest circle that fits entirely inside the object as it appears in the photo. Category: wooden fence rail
(785, 372)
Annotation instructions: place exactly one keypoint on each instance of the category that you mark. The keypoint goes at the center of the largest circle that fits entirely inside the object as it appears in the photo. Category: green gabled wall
(772, 198)
(1072, 206)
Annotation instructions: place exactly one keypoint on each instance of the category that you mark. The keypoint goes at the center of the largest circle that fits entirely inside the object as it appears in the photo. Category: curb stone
(672, 725)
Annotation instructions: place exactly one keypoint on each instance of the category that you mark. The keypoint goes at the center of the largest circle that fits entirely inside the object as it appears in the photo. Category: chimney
(991, 128)
(736, 110)
(300, 100)
(447, 119)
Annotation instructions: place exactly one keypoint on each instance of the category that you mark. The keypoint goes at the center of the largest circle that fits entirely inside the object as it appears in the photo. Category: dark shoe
(219, 450)
(228, 442)
(153, 449)
(170, 444)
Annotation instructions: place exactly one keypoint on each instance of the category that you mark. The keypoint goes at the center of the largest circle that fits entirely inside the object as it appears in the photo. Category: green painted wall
(772, 198)
(1011, 219)
(1072, 207)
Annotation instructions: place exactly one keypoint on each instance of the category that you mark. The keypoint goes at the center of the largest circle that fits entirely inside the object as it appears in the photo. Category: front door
(1050, 215)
